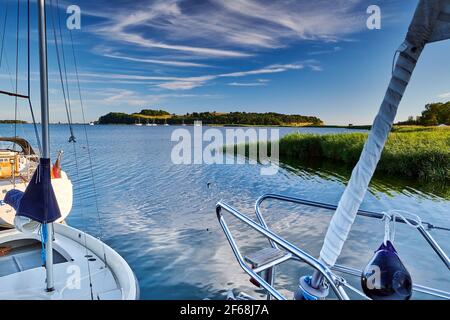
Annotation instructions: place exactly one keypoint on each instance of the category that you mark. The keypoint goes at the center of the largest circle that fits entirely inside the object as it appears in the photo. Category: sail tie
(44, 236)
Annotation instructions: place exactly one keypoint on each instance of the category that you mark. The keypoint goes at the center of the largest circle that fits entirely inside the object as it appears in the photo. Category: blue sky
(288, 56)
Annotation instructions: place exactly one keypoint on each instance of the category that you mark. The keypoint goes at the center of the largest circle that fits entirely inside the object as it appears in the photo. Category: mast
(43, 68)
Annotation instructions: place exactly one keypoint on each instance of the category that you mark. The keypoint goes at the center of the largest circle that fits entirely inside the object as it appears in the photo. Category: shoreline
(222, 125)
(422, 153)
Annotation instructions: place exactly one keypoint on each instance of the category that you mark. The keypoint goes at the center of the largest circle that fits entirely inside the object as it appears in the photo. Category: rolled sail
(431, 23)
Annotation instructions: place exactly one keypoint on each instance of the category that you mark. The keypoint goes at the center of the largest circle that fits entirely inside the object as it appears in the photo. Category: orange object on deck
(56, 168)
(4, 251)
(56, 172)
(9, 164)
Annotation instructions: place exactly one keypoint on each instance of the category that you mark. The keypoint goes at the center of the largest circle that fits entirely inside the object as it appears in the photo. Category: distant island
(210, 118)
(12, 122)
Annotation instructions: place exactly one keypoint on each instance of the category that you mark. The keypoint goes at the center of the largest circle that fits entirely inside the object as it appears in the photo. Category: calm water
(160, 217)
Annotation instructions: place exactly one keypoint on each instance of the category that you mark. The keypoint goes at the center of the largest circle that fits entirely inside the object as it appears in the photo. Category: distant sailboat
(148, 124)
(91, 123)
(165, 123)
(138, 123)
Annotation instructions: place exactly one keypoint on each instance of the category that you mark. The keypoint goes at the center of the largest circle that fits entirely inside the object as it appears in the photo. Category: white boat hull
(63, 191)
(79, 262)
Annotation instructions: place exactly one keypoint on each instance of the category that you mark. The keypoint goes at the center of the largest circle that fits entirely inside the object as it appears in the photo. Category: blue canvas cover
(38, 202)
(13, 198)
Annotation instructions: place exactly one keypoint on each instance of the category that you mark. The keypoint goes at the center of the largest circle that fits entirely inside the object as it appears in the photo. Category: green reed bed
(415, 152)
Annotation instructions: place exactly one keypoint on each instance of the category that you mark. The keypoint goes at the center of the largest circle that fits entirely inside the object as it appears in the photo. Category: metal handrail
(355, 272)
(369, 214)
(333, 281)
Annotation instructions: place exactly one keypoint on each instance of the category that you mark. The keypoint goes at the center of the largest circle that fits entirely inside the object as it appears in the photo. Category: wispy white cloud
(325, 51)
(194, 82)
(188, 83)
(275, 68)
(133, 77)
(181, 85)
(121, 24)
(171, 63)
(247, 84)
(120, 95)
(258, 83)
(228, 29)
(125, 97)
(444, 95)
(303, 20)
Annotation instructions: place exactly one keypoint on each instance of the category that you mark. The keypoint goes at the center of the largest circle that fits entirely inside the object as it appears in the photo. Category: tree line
(233, 118)
(13, 122)
(433, 115)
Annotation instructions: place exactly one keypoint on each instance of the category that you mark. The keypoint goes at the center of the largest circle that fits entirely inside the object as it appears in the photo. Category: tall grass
(416, 152)
(411, 151)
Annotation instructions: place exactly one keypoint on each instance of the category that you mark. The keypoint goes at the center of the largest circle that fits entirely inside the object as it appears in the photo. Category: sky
(304, 57)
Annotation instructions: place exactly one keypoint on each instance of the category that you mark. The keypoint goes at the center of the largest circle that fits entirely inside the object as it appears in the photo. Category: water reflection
(160, 217)
(389, 185)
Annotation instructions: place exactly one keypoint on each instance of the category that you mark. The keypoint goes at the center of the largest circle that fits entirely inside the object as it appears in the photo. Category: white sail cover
(431, 23)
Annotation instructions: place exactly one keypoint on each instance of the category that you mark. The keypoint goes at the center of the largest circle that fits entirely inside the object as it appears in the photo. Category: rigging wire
(8, 69)
(2, 49)
(69, 116)
(69, 120)
(72, 137)
(17, 72)
(14, 87)
(88, 147)
(4, 32)
(38, 140)
(17, 92)
(84, 218)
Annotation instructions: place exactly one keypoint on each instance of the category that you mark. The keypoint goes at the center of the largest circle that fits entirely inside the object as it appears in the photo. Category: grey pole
(45, 136)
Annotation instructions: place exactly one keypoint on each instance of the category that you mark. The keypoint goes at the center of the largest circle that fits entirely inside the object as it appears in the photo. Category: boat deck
(25, 255)
(23, 277)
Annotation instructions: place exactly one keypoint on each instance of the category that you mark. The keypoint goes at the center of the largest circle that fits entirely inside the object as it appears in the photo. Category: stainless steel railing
(335, 282)
(369, 214)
